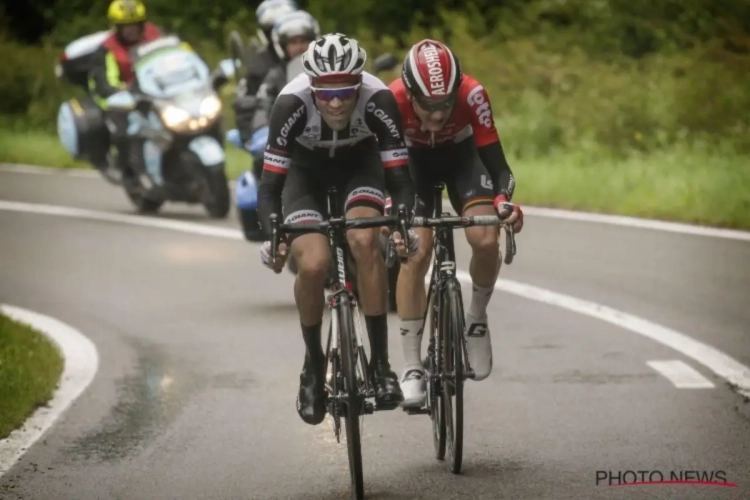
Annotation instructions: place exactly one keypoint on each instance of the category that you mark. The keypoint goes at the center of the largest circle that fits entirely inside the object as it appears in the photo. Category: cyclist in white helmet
(290, 37)
(336, 124)
(261, 62)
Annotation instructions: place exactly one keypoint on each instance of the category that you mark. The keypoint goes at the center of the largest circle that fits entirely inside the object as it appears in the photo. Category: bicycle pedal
(369, 408)
(387, 405)
(416, 411)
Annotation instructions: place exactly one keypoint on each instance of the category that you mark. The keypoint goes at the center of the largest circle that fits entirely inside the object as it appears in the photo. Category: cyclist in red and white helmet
(451, 138)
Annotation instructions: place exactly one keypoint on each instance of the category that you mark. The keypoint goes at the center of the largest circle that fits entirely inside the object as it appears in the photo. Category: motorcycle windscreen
(170, 72)
(294, 68)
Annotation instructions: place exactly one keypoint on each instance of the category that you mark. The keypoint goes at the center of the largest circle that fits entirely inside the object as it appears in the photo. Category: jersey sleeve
(287, 121)
(480, 113)
(383, 117)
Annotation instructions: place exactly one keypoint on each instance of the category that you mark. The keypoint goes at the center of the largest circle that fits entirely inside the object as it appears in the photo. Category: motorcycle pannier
(82, 130)
(79, 58)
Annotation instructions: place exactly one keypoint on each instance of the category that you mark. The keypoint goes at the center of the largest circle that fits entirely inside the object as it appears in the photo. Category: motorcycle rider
(114, 71)
(290, 37)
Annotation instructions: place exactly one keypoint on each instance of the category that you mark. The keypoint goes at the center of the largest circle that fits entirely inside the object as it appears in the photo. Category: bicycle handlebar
(458, 221)
(399, 221)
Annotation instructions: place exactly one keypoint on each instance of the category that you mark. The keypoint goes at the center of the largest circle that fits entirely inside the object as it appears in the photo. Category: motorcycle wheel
(219, 205)
(137, 195)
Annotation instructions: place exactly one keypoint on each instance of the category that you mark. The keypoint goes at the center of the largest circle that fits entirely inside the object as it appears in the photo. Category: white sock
(411, 342)
(480, 298)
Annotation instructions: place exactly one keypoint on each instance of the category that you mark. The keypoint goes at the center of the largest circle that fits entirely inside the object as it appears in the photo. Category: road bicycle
(349, 388)
(447, 362)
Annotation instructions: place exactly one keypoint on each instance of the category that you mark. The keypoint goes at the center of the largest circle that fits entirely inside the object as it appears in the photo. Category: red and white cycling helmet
(431, 72)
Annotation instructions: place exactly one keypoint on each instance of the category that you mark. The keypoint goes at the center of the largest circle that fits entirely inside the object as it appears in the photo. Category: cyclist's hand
(413, 243)
(511, 213)
(267, 259)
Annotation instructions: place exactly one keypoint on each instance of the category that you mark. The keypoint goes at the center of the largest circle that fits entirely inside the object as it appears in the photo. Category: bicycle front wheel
(354, 405)
(452, 325)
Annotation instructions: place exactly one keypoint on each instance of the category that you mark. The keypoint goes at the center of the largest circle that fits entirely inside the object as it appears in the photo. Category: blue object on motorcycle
(66, 129)
(246, 191)
(208, 150)
(233, 137)
(258, 141)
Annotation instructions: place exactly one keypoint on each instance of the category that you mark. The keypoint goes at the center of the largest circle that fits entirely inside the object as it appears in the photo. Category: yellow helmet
(126, 11)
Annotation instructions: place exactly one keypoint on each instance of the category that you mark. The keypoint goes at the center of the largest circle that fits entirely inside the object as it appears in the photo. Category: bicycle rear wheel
(452, 325)
(354, 406)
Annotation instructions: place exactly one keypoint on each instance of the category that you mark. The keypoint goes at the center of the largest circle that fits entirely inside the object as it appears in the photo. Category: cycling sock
(377, 331)
(314, 353)
(480, 298)
(411, 342)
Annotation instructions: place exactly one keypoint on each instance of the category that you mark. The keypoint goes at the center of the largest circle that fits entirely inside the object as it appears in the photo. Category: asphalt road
(200, 355)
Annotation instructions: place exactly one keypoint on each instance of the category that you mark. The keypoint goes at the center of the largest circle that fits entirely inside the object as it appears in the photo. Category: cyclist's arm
(288, 110)
(488, 142)
(104, 77)
(383, 117)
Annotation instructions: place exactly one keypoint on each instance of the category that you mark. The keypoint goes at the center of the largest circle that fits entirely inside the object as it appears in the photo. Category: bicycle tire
(355, 400)
(452, 323)
(434, 392)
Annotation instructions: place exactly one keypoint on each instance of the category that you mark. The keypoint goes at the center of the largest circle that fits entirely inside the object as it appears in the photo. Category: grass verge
(694, 185)
(30, 368)
(44, 149)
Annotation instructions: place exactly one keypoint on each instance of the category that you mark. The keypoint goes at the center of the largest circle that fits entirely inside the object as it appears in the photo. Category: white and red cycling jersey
(471, 116)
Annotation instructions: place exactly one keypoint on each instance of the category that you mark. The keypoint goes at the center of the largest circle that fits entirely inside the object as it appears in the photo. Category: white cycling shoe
(479, 347)
(413, 387)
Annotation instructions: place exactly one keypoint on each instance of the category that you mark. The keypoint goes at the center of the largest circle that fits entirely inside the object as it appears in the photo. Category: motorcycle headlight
(174, 117)
(210, 107)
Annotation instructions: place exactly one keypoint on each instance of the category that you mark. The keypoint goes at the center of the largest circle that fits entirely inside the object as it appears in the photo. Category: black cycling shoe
(388, 394)
(311, 398)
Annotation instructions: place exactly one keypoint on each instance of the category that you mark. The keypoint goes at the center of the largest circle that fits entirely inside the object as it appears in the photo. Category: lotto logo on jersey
(480, 105)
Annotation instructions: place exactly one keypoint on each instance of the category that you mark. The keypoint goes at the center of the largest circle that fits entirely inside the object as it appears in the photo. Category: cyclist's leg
(301, 199)
(471, 194)
(411, 295)
(365, 197)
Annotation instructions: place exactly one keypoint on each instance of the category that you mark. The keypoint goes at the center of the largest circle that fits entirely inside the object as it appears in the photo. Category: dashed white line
(682, 375)
(718, 362)
(81, 363)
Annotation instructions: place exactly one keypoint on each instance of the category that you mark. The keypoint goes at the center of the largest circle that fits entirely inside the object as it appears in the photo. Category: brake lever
(510, 240)
(403, 229)
(274, 240)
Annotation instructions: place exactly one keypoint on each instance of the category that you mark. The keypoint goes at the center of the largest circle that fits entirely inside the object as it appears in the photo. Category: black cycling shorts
(459, 166)
(356, 171)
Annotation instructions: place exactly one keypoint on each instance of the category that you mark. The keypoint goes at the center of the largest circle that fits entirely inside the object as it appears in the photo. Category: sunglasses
(432, 105)
(328, 94)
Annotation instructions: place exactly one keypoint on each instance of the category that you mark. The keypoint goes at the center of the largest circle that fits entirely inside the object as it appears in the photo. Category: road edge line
(81, 362)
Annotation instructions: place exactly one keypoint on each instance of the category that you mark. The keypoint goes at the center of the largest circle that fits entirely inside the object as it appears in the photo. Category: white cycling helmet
(335, 58)
(293, 24)
(268, 13)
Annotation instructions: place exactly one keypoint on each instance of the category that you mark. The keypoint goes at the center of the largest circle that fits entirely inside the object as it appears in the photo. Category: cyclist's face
(336, 103)
(433, 118)
(296, 46)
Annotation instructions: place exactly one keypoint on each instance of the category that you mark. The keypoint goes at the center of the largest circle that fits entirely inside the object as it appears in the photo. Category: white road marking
(721, 364)
(682, 375)
(81, 363)
(617, 220)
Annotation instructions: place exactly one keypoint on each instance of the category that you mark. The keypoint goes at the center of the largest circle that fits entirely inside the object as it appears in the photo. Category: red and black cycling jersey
(296, 123)
(471, 117)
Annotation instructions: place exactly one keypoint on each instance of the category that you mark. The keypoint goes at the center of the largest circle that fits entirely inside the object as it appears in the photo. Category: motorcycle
(174, 125)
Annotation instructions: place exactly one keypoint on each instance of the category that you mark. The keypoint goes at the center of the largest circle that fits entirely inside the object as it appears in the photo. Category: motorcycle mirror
(385, 62)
